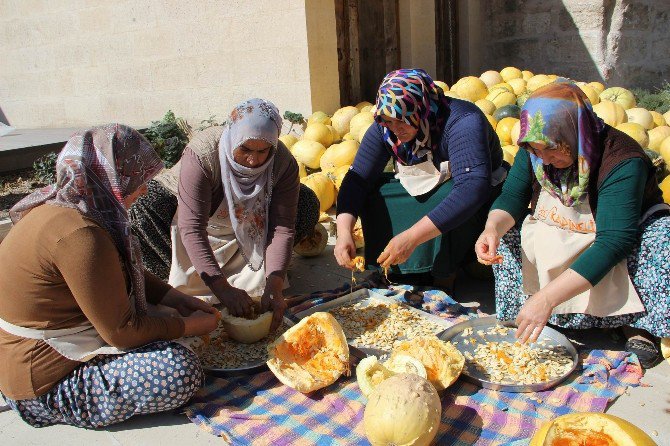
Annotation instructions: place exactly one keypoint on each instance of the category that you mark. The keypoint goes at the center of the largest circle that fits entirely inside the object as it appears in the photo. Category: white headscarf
(248, 190)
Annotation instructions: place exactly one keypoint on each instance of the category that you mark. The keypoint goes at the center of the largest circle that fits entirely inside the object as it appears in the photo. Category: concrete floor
(647, 407)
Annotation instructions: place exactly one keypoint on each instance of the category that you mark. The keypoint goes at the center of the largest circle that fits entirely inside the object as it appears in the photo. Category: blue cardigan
(469, 144)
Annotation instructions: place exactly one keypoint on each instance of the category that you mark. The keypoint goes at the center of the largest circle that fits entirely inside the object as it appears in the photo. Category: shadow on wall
(3, 118)
(616, 42)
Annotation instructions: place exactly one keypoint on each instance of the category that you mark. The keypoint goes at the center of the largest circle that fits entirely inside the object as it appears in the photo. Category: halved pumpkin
(406, 364)
(247, 331)
(590, 428)
(314, 244)
(443, 362)
(370, 373)
(310, 355)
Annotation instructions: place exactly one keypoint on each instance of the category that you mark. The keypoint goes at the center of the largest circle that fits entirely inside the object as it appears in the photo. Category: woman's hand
(345, 250)
(274, 298)
(486, 247)
(185, 304)
(398, 250)
(532, 318)
(238, 302)
(200, 323)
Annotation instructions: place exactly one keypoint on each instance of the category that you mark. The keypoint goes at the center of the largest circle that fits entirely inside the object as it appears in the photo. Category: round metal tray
(548, 334)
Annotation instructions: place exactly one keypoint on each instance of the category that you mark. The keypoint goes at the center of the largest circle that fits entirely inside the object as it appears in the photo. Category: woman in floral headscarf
(448, 165)
(76, 342)
(594, 251)
(223, 219)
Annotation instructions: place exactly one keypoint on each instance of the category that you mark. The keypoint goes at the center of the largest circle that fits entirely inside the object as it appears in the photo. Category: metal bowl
(548, 334)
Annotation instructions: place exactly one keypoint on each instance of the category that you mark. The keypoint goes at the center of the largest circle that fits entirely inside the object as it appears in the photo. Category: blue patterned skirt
(112, 388)
(648, 267)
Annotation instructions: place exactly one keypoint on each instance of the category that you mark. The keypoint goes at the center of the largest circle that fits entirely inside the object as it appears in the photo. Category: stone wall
(82, 62)
(621, 42)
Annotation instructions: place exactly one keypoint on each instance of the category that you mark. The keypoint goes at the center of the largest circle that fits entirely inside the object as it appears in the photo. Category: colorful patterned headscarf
(248, 190)
(411, 96)
(95, 171)
(561, 116)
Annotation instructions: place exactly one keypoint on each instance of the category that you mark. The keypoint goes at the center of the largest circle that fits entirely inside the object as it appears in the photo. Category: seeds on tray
(223, 353)
(380, 325)
(516, 363)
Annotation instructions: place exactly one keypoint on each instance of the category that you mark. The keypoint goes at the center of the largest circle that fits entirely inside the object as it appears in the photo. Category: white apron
(78, 343)
(423, 177)
(221, 236)
(552, 239)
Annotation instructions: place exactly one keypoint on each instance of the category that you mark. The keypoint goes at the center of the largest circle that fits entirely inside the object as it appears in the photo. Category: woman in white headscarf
(232, 229)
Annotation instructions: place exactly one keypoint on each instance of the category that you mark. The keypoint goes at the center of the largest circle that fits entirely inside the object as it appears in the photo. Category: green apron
(390, 209)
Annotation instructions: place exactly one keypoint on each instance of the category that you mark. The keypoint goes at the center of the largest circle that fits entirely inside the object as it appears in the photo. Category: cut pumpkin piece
(310, 355)
(443, 362)
(358, 263)
(406, 364)
(247, 331)
(314, 244)
(370, 373)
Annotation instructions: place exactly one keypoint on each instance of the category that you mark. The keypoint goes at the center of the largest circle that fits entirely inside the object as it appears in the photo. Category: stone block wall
(82, 62)
(621, 42)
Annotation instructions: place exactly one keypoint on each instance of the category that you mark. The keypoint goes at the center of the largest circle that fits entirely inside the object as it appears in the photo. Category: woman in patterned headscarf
(448, 164)
(75, 338)
(222, 221)
(593, 252)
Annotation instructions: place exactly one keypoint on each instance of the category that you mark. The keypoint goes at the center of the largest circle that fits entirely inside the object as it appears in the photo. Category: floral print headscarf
(411, 96)
(248, 190)
(560, 116)
(95, 171)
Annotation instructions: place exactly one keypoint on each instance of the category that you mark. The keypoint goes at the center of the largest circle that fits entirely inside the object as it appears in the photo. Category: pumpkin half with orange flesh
(593, 429)
(443, 362)
(310, 355)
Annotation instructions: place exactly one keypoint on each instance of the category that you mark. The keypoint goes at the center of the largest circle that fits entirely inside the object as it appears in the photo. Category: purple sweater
(468, 143)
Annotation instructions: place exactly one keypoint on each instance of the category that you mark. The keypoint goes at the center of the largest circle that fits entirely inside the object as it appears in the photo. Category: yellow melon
(590, 93)
(635, 131)
(302, 172)
(514, 134)
(486, 106)
(348, 137)
(338, 155)
(509, 152)
(657, 135)
(471, 88)
(665, 188)
(610, 112)
(320, 133)
(491, 78)
(442, 85)
(537, 81)
(508, 73)
(492, 121)
(322, 187)
(362, 131)
(337, 175)
(665, 342)
(310, 355)
(308, 152)
(640, 116)
(519, 86)
(501, 97)
(659, 120)
(620, 95)
(666, 116)
(320, 117)
(368, 108)
(504, 130)
(527, 75)
(342, 117)
(288, 140)
(664, 150)
(452, 94)
(590, 429)
(335, 133)
(362, 104)
(597, 86)
(506, 85)
(360, 122)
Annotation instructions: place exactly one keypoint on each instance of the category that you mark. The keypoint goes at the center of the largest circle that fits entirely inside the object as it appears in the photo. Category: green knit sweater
(620, 199)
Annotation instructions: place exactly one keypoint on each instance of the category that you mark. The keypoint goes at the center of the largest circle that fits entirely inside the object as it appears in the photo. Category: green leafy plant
(44, 168)
(294, 119)
(168, 138)
(210, 122)
(656, 100)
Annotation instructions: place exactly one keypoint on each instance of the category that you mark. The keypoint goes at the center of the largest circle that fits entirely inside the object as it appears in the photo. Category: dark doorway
(368, 46)
(446, 40)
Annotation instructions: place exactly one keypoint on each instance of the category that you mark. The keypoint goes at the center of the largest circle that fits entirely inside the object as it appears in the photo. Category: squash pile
(310, 355)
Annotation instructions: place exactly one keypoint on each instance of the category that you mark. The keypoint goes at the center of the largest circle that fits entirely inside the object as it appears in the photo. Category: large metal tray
(548, 334)
(250, 368)
(367, 296)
